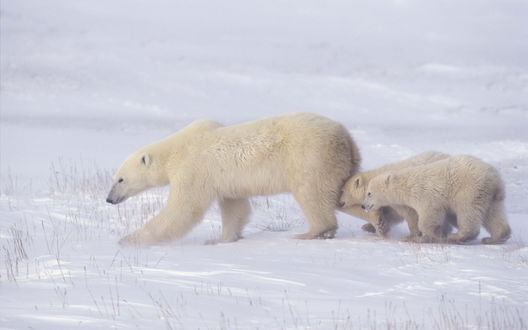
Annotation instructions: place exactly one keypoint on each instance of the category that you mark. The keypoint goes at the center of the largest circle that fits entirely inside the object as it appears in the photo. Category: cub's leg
(430, 223)
(386, 218)
(496, 224)
(469, 219)
(411, 217)
(356, 211)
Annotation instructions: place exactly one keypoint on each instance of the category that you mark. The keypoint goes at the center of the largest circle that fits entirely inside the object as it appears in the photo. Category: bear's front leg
(235, 215)
(149, 234)
(139, 237)
(173, 222)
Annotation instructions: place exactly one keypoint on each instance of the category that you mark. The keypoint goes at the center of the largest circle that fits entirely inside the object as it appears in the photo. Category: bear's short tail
(500, 194)
(355, 156)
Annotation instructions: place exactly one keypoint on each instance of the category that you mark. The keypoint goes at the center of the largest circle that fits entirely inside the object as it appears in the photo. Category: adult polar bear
(302, 153)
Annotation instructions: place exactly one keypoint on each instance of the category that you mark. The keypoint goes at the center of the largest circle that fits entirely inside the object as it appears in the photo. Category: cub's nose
(367, 208)
(340, 204)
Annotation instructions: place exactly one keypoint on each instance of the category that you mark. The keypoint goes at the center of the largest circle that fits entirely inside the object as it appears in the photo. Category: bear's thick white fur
(463, 186)
(305, 154)
(381, 220)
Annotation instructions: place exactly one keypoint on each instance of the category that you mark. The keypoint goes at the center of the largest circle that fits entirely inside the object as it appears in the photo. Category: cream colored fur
(305, 154)
(381, 220)
(461, 186)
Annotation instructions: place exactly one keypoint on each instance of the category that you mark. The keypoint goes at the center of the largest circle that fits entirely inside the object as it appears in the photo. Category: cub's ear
(145, 159)
(388, 179)
(359, 182)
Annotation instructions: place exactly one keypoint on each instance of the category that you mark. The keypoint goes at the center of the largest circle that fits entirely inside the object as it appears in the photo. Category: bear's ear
(145, 159)
(359, 181)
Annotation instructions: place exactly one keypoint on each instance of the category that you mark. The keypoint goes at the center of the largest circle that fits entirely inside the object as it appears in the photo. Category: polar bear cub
(305, 154)
(463, 186)
(381, 220)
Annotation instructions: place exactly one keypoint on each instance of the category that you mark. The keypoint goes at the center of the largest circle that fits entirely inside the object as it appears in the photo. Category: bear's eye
(120, 180)
(369, 194)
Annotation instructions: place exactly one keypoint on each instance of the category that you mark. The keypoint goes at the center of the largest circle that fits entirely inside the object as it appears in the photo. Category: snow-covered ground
(84, 83)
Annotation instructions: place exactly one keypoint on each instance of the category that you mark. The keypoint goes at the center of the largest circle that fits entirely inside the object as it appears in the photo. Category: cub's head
(353, 192)
(376, 192)
(139, 172)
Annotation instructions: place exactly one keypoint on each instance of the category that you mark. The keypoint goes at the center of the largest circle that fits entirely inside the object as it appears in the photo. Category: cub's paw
(382, 227)
(429, 239)
(369, 228)
(491, 240)
(410, 239)
(454, 239)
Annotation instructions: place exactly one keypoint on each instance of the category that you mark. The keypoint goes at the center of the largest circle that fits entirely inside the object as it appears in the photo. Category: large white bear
(461, 186)
(302, 153)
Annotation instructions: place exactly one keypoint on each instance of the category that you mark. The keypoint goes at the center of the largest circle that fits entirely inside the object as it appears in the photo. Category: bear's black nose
(109, 200)
(363, 207)
(340, 204)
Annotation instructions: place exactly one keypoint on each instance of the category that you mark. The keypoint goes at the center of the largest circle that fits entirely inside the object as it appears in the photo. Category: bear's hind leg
(319, 210)
(235, 215)
(496, 224)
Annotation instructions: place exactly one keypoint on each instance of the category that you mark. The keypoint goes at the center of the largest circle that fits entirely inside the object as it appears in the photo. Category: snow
(84, 83)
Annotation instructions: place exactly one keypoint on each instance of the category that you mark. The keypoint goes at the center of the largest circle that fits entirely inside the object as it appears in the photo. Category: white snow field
(84, 83)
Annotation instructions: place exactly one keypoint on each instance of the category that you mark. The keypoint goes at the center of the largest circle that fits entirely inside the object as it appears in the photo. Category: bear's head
(353, 192)
(139, 172)
(377, 191)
